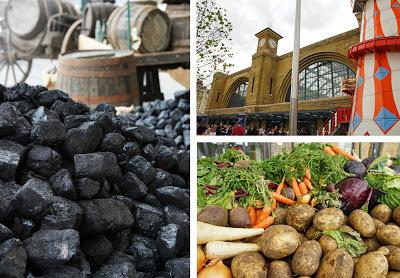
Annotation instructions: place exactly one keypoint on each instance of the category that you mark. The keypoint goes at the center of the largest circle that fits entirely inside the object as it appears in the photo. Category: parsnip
(224, 250)
(207, 233)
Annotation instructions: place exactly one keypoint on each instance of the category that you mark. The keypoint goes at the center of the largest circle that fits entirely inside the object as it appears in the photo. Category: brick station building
(261, 93)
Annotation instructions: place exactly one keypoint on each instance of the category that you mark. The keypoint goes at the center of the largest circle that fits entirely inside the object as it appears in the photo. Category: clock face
(272, 43)
(262, 42)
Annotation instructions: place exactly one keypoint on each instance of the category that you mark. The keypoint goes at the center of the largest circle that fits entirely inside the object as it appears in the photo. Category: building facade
(262, 91)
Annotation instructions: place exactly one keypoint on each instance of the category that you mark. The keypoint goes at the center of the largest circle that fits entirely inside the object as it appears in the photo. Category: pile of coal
(169, 119)
(86, 194)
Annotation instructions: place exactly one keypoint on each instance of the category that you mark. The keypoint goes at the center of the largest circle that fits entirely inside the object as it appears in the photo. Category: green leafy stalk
(350, 241)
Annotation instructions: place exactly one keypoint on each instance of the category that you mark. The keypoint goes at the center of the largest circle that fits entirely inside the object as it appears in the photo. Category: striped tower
(376, 104)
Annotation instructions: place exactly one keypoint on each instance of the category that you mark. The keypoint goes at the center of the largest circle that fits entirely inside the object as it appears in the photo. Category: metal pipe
(295, 72)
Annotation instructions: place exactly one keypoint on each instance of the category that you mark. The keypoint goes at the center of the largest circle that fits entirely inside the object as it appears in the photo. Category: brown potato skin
(279, 269)
(393, 257)
(239, 218)
(371, 265)
(300, 217)
(346, 228)
(312, 233)
(214, 215)
(249, 265)
(328, 219)
(382, 212)
(327, 244)
(389, 235)
(336, 264)
(393, 274)
(302, 238)
(378, 224)
(305, 261)
(372, 243)
(279, 241)
(363, 223)
(396, 215)
(280, 216)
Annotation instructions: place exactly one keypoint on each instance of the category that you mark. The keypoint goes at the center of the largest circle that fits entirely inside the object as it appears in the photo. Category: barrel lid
(97, 57)
(26, 18)
(97, 54)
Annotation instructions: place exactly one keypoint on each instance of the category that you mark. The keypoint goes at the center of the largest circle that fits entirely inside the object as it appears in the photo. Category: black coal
(89, 193)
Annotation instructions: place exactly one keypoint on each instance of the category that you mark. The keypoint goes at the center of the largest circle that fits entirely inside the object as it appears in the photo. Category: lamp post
(295, 73)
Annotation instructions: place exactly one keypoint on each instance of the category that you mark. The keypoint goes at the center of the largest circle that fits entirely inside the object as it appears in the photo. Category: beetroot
(355, 192)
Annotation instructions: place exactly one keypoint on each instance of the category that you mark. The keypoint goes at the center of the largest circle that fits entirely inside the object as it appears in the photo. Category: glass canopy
(238, 98)
(322, 80)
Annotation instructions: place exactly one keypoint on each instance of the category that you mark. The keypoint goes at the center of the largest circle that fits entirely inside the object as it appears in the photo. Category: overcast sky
(320, 19)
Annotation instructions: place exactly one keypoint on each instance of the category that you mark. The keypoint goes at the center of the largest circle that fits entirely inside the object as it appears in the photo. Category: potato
(214, 215)
(363, 223)
(378, 224)
(372, 243)
(336, 264)
(239, 218)
(280, 216)
(279, 269)
(389, 235)
(327, 244)
(346, 228)
(382, 213)
(328, 219)
(249, 265)
(396, 215)
(300, 217)
(371, 265)
(393, 274)
(393, 257)
(279, 241)
(306, 259)
(313, 233)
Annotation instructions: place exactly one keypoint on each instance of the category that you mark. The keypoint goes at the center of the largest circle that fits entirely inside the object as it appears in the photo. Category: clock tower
(262, 80)
(268, 41)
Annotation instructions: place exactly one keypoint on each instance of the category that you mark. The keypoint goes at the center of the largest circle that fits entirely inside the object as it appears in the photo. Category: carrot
(329, 151)
(308, 173)
(258, 212)
(265, 223)
(265, 212)
(207, 233)
(338, 150)
(283, 199)
(296, 189)
(280, 186)
(308, 183)
(252, 214)
(303, 188)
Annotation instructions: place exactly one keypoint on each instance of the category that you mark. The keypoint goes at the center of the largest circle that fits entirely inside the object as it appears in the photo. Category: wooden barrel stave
(148, 23)
(180, 25)
(92, 13)
(97, 80)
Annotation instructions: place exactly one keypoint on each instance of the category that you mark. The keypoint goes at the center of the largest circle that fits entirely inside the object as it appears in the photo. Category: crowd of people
(237, 130)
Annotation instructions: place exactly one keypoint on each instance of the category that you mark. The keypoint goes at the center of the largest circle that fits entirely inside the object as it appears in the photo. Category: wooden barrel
(28, 18)
(180, 26)
(98, 76)
(150, 27)
(93, 12)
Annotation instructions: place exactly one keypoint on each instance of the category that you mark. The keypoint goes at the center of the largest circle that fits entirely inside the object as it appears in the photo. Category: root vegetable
(313, 233)
(327, 243)
(279, 241)
(303, 188)
(252, 215)
(249, 265)
(225, 250)
(382, 213)
(393, 274)
(338, 150)
(264, 223)
(300, 217)
(389, 235)
(280, 216)
(396, 215)
(328, 219)
(372, 243)
(201, 258)
(329, 151)
(306, 259)
(279, 269)
(336, 264)
(288, 193)
(393, 257)
(372, 265)
(239, 218)
(296, 188)
(283, 199)
(363, 223)
(214, 215)
(207, 233)
(215, 269)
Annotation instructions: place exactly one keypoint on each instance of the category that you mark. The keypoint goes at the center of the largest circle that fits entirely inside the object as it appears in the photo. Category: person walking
(238, 130)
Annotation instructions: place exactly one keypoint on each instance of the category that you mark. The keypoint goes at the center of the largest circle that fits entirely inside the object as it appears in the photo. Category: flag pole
(295, 73)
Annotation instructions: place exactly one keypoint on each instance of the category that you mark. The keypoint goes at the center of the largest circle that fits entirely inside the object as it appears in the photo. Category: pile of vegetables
(315, 211)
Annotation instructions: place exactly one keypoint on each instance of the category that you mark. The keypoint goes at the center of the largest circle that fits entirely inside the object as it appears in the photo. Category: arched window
(322, 80)
(238, 97)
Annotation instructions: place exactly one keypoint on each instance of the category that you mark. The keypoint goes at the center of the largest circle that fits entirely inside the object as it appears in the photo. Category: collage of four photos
(202, 138)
